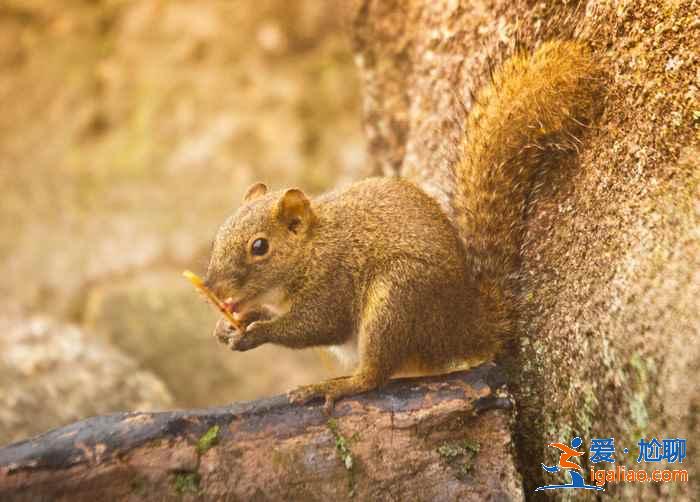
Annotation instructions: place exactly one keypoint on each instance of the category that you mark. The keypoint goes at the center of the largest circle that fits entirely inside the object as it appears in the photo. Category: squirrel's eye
(259, 247)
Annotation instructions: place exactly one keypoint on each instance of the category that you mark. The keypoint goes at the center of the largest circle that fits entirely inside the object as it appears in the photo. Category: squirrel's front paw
(253, 336)
(241, 342)
(230, 336)
(224, 331)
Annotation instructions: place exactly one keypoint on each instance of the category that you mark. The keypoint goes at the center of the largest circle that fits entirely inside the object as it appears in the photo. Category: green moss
(342, 447)
(459, 455)
(187, 482)
(643, 371)
(639, 415)
(208, 439)
(587, 410)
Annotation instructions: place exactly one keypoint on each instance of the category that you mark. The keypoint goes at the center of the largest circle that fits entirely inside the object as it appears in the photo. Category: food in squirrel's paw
(225, 307)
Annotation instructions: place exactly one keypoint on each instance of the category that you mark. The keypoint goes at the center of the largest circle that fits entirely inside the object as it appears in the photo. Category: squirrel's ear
(294, 209)
(254, 191)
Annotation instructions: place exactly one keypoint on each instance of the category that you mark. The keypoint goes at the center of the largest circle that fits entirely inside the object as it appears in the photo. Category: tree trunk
(442, 438)
(609, 343)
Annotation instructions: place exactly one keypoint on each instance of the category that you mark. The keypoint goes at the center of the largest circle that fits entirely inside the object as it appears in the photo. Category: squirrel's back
(402, 220)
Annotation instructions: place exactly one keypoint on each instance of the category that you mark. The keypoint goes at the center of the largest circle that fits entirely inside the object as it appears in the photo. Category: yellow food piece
(198, 283)
(193, 278)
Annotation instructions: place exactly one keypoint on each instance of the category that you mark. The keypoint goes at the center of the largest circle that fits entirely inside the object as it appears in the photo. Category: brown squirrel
(376, 271)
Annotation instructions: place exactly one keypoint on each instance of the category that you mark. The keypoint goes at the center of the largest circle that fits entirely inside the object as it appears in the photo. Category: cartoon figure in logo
(565, 463)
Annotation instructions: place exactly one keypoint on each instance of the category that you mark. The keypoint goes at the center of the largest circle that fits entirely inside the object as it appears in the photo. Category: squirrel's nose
(221, 284)
(220, 287)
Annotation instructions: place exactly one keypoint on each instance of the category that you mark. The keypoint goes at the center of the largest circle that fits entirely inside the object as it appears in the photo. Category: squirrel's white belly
(346, 353)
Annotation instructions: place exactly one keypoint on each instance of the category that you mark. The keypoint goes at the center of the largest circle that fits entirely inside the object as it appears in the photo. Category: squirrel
(377, 272)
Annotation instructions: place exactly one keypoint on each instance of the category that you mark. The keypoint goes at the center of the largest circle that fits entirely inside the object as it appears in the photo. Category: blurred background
(128, 131)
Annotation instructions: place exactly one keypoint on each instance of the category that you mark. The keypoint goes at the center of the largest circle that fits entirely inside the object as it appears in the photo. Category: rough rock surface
(611, 263)
(438, 439)
(52, 374)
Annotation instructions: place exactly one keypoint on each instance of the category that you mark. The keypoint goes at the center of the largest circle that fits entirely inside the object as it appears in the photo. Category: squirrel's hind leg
(384, 328)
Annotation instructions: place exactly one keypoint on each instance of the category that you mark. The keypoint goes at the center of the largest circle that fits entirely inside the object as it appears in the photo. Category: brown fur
(379, 265)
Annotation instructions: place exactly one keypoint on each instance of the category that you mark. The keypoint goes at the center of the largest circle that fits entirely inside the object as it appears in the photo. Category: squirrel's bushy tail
(535, 106)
